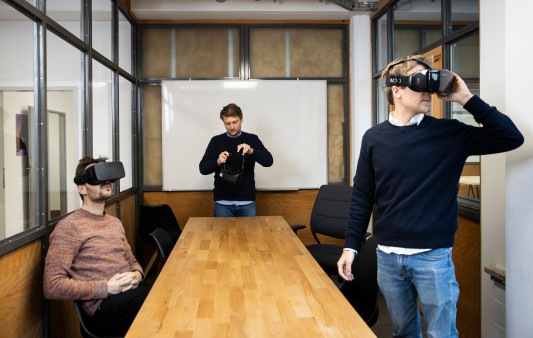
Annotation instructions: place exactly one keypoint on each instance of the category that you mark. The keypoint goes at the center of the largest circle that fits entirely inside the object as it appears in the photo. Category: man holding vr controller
(407, 176)
(231, 156)
(89, 258)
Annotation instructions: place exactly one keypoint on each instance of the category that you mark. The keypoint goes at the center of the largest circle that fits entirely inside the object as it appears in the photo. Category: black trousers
(116, 313)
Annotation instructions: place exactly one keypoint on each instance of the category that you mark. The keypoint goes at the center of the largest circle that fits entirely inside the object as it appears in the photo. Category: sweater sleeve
(261, 154)
(208, 163)
(362, 200)
(497, 134)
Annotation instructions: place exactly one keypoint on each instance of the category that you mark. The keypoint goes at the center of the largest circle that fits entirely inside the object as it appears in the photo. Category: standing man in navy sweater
(407, 176)
(233, 154)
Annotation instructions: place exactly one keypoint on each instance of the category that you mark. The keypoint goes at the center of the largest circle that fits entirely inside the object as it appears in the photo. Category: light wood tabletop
(244, 277)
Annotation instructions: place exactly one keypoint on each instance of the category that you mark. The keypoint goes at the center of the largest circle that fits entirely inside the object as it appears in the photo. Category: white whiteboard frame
(289, 116)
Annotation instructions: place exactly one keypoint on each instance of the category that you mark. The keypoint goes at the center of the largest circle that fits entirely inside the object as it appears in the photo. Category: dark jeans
(116, 313)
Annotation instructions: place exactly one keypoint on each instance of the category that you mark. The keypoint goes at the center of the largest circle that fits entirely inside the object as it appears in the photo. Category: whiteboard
(288, 116)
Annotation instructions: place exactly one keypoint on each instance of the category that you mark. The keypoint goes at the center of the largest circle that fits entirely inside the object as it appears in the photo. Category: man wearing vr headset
(231, 156)
(89, 258)
(407, 176)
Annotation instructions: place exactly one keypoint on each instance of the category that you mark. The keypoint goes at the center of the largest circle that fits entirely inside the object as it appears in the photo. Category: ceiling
(155, 10)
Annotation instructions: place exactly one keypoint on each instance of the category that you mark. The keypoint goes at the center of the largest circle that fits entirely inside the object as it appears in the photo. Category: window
(66, 13)
(464, 12)
(417, 24)
(101, 27)
(126, 136)
(102, 112)
(17, 118)
(124, 42)
(64, 126)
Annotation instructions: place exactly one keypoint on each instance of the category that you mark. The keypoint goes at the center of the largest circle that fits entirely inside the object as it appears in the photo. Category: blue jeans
(430, 276)
(222, 210)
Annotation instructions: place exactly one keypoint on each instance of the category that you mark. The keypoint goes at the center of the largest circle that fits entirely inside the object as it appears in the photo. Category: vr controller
(233, 173)
(102, 172)
(427, 81)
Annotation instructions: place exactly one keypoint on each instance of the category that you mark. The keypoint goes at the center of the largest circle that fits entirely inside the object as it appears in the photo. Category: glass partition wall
(66, 90)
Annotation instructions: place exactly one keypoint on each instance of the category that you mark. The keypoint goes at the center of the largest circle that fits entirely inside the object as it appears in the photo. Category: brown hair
(231, 110)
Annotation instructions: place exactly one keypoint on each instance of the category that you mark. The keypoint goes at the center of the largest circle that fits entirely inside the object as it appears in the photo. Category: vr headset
(101, 172)
(427, 80)
(232, 173)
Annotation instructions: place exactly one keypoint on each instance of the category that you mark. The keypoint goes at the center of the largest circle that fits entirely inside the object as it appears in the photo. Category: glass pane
(124, 42)
(126, 138)
(299, 52)
(185, 52)
(465, 62)
(102, 111)
(382, 106)
(67, 13)
(464, 12)
(17, 116)
(101, 29)
(64, 109)
(381, 43)
(417, 24)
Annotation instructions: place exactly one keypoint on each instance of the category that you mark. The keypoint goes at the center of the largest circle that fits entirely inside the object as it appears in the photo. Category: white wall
(360, 86)
(506, 215)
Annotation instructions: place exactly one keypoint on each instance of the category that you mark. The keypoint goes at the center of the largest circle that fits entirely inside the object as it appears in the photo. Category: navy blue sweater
(245, 190)
(408, 176)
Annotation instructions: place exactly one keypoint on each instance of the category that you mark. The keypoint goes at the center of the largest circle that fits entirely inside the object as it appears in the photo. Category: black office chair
(328, 217)
(363, 291)
(85, 332)
(152, 217)
(164, 242)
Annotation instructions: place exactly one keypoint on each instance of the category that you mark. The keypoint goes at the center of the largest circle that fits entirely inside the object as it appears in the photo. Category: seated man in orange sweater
(89, 258)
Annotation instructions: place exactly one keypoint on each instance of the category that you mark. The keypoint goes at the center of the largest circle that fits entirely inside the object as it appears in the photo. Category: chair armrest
(297, 227)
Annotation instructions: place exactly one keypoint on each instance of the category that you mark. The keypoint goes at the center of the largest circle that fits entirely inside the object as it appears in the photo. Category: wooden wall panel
(467, 261)
(294, 206)
(21, 292)
(127, 216)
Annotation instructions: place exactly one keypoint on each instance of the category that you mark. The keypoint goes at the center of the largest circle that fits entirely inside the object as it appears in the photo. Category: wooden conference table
(244, 277)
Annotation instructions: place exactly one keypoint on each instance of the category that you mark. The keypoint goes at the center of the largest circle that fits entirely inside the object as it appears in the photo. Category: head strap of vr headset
(399, 80)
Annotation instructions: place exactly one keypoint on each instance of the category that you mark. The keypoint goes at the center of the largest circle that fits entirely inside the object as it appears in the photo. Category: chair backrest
(85, 332)
(164, 242)
(330, 211)
(152, 217)
(363, 291)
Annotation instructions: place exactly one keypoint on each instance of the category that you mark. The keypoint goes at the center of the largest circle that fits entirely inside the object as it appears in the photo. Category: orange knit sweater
(85, 251)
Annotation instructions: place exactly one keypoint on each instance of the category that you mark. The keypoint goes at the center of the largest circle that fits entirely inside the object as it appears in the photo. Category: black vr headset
(101, 172)
(233, 172)
(427, 80)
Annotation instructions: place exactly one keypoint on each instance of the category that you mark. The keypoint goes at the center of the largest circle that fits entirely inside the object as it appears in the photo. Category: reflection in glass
(381, 43)
(64, 109)
(465, 62)
(464, 12)
(417, 24)
(124, 42)
(102, 111)
(17, 117)
(66, 13)
(101, 27)
(126, 138)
